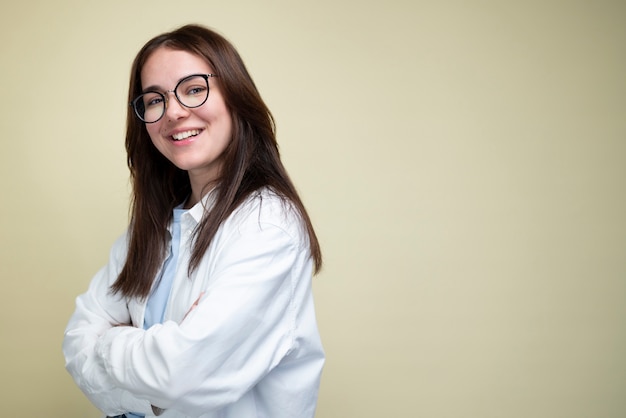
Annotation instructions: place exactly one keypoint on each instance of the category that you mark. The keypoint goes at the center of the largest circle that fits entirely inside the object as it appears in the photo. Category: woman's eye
(153, 101)
(194, 91)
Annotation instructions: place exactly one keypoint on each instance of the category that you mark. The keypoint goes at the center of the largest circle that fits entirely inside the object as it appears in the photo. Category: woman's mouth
(179, 136)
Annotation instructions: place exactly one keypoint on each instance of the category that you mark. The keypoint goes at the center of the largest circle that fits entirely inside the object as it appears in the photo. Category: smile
(186, 134)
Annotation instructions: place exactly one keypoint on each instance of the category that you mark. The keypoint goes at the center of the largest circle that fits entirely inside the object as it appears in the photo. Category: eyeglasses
(191, 91)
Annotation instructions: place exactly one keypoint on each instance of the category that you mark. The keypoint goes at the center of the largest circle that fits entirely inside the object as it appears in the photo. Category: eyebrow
(152, 88)
(161, 90)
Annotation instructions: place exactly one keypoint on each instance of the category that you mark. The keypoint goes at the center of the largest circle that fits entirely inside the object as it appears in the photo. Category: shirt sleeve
(96, 312)
(241, 329)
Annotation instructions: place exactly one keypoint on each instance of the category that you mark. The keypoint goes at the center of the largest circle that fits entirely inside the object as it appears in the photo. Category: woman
(205, 306)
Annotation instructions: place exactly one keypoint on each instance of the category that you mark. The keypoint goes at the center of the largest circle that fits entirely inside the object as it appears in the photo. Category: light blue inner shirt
(157, 302)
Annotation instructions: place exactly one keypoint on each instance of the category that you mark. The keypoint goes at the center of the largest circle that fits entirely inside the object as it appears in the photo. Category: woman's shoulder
(119, 248)
(265, 207)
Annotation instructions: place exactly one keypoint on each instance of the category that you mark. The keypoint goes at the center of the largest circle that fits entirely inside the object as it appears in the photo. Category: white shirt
(251, 347)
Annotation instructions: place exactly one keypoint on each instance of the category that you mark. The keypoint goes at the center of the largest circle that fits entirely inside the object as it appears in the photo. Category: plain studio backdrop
(464, 163)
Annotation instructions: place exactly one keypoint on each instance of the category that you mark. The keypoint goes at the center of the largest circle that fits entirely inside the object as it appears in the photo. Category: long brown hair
(251, 161)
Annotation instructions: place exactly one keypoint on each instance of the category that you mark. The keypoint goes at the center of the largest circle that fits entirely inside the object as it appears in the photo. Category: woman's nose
(173, 108)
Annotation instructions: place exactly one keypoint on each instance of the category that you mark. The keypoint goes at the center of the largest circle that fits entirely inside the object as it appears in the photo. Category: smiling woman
(193, 130)
(205, 306)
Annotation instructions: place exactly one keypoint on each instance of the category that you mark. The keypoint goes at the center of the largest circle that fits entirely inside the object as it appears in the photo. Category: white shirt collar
(198, 210)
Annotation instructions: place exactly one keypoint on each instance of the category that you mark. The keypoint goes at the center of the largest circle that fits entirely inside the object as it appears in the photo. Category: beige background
(464, 162)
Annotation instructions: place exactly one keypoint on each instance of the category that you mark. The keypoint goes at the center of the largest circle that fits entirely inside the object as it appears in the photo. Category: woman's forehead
(165, 67)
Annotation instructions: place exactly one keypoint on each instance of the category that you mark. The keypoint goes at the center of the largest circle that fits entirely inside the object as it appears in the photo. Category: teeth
(183, 135)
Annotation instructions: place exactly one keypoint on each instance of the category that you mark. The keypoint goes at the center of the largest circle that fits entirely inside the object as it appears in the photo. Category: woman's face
(193, 139)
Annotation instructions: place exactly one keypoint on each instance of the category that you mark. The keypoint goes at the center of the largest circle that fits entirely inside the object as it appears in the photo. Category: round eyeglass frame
(164, 96)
